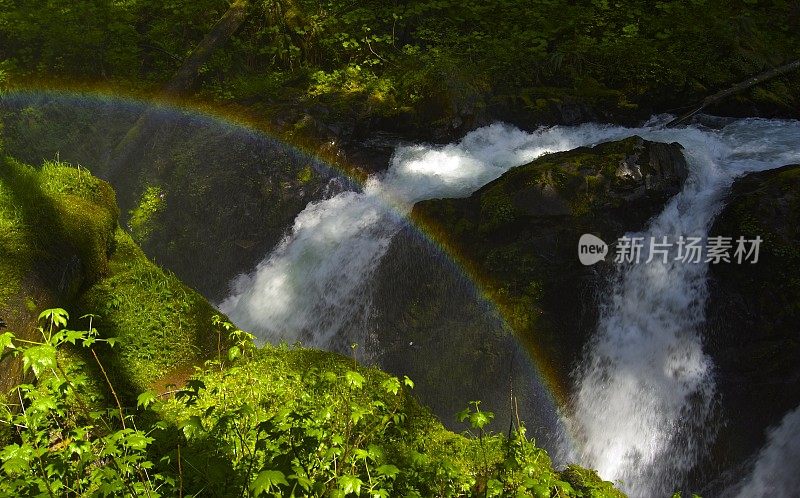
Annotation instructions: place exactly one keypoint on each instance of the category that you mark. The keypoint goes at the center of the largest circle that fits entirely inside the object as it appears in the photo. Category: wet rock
(753, 310)
(518, 237)
(220, 184)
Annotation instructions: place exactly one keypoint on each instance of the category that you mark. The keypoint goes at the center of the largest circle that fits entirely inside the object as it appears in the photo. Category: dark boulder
(753, 311)
(518, 237)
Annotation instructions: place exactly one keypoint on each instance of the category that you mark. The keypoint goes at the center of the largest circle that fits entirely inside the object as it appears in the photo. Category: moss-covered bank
(61, 247)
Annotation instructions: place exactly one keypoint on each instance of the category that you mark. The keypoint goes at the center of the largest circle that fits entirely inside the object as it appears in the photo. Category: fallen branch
(744, 85)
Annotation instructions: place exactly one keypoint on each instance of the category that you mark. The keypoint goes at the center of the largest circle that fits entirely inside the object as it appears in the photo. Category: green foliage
(63, 445)
(435, 58)
(276, 422)
(143, 216)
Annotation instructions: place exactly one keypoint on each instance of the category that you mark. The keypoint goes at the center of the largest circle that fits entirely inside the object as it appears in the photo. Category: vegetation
(272, 422)
(429, 62)
(142, 217)
(158, 396)
(60, 244)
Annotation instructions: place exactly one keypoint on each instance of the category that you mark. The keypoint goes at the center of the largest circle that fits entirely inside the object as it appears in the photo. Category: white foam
(776, 473)
(314, 285)
(644, 393)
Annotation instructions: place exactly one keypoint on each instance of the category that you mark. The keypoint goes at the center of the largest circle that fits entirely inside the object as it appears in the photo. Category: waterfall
(775, 473)
(644, 391)
(314, 287)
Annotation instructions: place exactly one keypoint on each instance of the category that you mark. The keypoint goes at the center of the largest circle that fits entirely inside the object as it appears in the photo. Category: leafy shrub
(263, 422)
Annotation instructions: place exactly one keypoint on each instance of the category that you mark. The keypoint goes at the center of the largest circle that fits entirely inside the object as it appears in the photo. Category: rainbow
(244, 120)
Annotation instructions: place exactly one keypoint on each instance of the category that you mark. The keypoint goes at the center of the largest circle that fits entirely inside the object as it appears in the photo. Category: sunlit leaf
(267, 480)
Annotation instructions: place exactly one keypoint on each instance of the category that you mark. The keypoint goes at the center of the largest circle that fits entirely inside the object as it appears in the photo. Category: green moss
(14, 241)
(160, 324)
(60, 246)
(54, 214)
(305, 175)
(143, 217)
(496, 210)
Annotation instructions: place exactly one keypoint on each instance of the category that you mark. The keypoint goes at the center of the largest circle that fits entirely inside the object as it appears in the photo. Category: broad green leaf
(388, 470)
(350, 484)
(71, 336)
(480, 419)
(267, 480)
(145, 399)
(137, 441)
(58, 316)
(42, 404)
(16, 459)
(391, 385)
(6, 341)
(40, 358)
(354, 379)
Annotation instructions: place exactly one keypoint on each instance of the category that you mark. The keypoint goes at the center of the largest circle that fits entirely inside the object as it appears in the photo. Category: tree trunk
(184, 78)
(227, 25)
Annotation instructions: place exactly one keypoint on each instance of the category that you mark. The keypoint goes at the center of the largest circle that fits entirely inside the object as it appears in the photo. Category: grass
(161, 325)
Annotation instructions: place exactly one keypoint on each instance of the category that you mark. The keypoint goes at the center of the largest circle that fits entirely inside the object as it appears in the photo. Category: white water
(776, 473)
(645, 390)
(314, 286)
(644, 393)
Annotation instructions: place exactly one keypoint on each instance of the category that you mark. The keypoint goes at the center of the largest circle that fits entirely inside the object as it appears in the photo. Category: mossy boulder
(60, 246)
(56, 234)
(186, 184)
(516, 237)
(753, 310)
